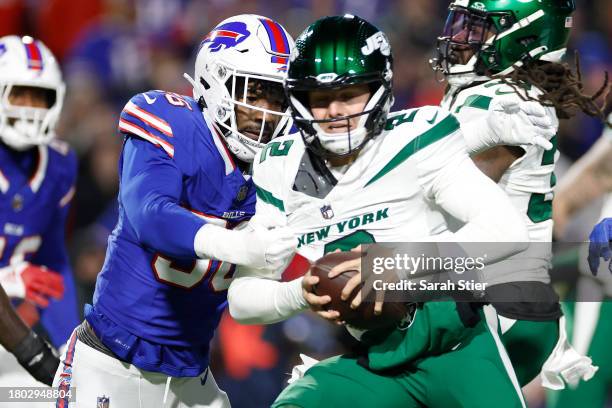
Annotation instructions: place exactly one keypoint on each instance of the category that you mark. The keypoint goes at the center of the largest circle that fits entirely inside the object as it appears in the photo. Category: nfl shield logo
(327, 212)
(242, 193)
(103, 402)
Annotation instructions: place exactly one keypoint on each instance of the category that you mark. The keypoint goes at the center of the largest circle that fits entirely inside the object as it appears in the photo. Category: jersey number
(276, 149)
(27, 245)
(219, 274)
(539, 208)
(350, 241)
(177, 100)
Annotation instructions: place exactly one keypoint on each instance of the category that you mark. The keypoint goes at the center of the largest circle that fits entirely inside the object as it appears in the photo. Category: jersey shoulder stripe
(146, 116)
(150, 119)
(130, 128)
(443, 125)
(475, 101)
(268, 197)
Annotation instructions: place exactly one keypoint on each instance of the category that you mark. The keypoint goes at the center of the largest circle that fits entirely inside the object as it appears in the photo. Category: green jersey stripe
(446, 127)
(267, 197)
(476, 101)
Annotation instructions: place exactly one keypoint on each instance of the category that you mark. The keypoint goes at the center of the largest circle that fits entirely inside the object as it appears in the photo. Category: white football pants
(103, 381)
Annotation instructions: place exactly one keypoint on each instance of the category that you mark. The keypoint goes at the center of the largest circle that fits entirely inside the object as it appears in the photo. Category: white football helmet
(238, 50)
(27, 62)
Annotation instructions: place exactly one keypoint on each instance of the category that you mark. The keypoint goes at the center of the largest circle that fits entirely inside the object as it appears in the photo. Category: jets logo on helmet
(226, 36)
(377, 42)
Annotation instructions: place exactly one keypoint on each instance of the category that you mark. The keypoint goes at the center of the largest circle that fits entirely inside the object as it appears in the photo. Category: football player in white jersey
(359, 174)
(587, 180)
(496, 54)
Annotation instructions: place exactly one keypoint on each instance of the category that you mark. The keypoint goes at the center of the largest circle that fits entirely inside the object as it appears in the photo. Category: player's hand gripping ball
(363, 316)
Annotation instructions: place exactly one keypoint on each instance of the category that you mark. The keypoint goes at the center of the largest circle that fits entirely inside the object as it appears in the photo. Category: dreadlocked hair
(561, 87)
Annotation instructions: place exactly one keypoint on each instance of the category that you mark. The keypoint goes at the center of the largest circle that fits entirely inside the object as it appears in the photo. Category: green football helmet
(333, 53)
(490, 37)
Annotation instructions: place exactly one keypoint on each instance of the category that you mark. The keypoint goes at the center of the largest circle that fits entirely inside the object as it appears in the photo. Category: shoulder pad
(155, 115)
(62, 168)
(418, 120)
(62, 156)
(415, 129)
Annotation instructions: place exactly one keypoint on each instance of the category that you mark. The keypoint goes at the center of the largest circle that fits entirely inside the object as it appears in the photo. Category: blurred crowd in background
(112, 49)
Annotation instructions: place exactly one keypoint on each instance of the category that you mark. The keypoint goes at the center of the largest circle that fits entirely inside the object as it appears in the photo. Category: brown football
(363, 317)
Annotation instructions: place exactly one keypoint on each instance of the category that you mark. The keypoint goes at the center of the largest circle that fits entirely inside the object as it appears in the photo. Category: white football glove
(511, 123)
(257, 247)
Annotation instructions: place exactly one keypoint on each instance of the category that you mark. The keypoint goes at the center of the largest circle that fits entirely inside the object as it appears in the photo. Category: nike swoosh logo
(498, 92)
(432, 120)
(203, 379)
(149, 100)
(35, 359)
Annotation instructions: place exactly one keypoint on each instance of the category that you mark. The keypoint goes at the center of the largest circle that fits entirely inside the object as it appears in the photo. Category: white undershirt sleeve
(454, 183)
(255, 300)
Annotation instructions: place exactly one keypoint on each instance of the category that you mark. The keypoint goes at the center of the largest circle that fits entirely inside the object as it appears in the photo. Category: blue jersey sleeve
(150, 193)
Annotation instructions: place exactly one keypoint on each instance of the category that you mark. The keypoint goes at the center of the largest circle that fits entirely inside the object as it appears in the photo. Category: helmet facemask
(22, 127)
(238, 90)
(236, 117)
(466, 36)
(342, 144)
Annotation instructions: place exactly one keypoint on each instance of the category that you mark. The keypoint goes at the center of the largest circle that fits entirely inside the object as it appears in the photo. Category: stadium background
(112, 49)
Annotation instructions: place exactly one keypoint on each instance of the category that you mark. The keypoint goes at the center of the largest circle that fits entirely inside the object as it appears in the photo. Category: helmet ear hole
(205, 84)
(526, 41)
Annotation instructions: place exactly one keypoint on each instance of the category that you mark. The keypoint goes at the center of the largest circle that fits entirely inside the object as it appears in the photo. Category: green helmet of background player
(489, 37)
(332, 53)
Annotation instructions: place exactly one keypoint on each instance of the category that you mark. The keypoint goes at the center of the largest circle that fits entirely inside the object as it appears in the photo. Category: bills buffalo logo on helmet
(226, 36)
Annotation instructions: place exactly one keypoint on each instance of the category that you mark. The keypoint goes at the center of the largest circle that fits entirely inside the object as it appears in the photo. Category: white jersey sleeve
(453, 182)
(256, 296)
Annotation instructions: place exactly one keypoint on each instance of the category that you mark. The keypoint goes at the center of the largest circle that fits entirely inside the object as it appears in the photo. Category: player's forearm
(12, 329)
(151, 190)
(588, 179)
(254, 300)
(486, 211)
(167, 227)
(159, 222)
(495, 161)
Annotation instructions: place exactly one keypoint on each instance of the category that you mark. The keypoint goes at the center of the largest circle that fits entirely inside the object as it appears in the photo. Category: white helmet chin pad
(25, 62)
(237, 52)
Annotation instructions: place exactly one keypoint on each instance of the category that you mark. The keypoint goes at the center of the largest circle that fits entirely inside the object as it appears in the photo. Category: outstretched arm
(32, 352)
(589, 178)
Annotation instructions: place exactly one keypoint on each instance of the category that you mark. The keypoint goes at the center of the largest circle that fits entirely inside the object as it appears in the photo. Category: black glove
(38, 357)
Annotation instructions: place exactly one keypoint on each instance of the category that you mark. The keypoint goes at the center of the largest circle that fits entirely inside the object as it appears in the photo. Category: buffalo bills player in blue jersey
(184, 203)
(37, 177)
